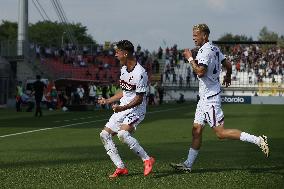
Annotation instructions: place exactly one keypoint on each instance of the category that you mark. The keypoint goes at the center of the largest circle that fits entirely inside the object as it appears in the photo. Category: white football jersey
(211, 57)
(135, 81)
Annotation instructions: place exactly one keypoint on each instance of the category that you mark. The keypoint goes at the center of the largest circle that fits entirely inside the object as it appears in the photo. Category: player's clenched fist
(117, 108)
(102, 101)
(187, 53)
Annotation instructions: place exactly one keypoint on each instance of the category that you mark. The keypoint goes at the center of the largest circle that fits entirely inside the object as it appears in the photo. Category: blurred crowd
(256, 63)
(87, 93)
(83, 56)
(259, 63)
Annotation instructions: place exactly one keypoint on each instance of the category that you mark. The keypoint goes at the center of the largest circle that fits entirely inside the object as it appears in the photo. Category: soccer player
(207, 66)
(130, 112)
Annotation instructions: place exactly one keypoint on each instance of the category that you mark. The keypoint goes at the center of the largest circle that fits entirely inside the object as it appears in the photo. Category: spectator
(180, 81)
(26, 99)
(160, 53)
(174, 77)
(38, 87)
(52, 103)
(63, 99)
(188, 80)
(92, 93)
(161, 91)
(181, 98)
(152, 92)
(81, 93)
(19, 93)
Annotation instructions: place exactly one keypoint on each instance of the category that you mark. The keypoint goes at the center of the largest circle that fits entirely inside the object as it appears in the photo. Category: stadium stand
(253, 66)
(98, 64)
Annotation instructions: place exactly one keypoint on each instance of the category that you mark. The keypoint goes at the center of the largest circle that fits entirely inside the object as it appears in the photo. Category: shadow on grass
(279, 170)
(44, 163)
(156, 174)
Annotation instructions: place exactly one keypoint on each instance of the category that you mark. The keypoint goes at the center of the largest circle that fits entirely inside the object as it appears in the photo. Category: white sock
(249, 138)
(111, 149)
(192, 154)
(133, 144)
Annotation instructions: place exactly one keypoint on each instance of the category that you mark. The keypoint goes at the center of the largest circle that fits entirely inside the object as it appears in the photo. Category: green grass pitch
(72, 156)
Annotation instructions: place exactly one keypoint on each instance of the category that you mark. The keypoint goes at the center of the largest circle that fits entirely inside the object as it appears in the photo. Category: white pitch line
(158, 111)
(49, 128)
(74, 119)
(74, 124)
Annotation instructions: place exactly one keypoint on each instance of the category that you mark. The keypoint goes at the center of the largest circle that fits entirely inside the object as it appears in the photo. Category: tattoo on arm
(194, 66)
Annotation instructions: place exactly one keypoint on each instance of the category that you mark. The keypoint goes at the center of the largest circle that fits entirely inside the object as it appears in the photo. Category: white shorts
(132, 117)
(209, 111)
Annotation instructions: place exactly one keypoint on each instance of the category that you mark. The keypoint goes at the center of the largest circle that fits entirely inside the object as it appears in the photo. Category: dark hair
(126, 46)
(38, 77)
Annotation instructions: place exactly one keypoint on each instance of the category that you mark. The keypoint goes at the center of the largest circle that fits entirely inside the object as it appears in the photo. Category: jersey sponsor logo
(126, 86)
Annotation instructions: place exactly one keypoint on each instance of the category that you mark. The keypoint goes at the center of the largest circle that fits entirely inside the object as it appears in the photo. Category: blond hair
(202, 27)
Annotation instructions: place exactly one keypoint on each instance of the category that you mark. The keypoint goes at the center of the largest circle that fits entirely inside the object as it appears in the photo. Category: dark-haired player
(129, 112)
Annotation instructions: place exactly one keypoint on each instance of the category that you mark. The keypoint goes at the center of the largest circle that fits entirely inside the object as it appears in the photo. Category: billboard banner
(236, 99)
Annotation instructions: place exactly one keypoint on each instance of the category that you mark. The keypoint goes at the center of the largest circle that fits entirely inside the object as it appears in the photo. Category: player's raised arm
(198, 69)
(227, 77)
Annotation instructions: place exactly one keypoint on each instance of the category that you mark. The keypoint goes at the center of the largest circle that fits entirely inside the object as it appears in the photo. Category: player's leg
(236, 134)
(40, 111)
(124, 135)
(37, 110)
(196, 140)
(193, 150)
(215, 118)
(233, 134)
(106, 137)
(195, 145)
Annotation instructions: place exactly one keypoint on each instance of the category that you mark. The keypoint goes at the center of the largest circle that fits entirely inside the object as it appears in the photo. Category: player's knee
(220, 135)
(125, 137)
(104, 135)
(196, 131)
(122, 135)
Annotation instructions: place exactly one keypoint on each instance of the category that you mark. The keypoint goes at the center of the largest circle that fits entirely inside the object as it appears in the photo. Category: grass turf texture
(73, 156)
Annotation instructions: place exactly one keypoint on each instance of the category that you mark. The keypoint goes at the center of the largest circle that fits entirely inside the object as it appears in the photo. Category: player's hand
(116, 108)
(227, 80)
(102, 101)
(187, 53)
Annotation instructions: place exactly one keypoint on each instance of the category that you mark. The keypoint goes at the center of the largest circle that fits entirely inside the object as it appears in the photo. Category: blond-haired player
(207, 66)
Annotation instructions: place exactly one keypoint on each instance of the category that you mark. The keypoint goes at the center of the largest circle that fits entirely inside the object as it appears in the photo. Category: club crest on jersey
(130, 78)
(126, 86)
